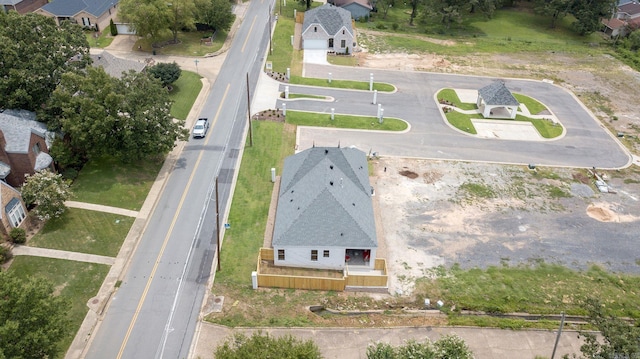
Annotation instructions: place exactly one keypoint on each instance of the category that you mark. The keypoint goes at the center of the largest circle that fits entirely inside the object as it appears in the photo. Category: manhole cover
(217, 300)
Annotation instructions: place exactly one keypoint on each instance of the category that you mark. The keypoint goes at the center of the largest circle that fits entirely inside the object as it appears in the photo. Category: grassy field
(347, 84)
(344, 121)
(537, 289)
(84, 231)
(111, 183)
(451, 96)
(189, 43)
(534, 106)
(105, 39)
(461, 122)
(184, 94)
(76, 281)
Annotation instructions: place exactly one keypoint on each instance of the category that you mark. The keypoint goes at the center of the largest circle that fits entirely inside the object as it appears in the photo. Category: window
(15, 212)
(36, 148)
(326, 254)
(280, 254)
(314, 254)
(342, 32)
(86, 21)
(330, 43)
(343, 43)
(315, 29)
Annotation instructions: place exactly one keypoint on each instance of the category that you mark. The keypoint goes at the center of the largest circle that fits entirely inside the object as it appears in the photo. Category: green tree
(32, 318)
(34, 53)
(167, 73)
(128, 118)
(634, 40)
(447, 11)
(216, 13)
(452, 346)
(147, 17)
(621, 340)
(556, 9)
(588, 14)
(384, 6)
(265, 346)
(112, 28)
(182, 15)
(47, 191)
(447, 347)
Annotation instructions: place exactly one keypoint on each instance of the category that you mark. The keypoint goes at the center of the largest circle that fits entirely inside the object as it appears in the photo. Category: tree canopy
(167, 73)
(216, 13)
(148, 17)
(32, 318)
(447, 347)
(34, 53)
(48, 191)
(127, 118)
(265, 346)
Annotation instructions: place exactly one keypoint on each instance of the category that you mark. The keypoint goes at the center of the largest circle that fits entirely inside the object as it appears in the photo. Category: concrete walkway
(101, 208)
(19, 250)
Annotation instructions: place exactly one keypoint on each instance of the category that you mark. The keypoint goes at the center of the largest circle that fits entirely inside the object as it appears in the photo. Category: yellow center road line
(169, 232)
(249, 33)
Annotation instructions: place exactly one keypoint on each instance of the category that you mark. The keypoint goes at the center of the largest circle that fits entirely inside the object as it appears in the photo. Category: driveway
(318, 57)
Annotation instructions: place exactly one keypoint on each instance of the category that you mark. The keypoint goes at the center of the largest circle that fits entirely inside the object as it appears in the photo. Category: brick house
(24, 146)
(13, 212)
(94, 14)
(21, 6)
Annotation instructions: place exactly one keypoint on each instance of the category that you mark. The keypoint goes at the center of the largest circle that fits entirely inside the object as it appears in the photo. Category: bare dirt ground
(430, 218)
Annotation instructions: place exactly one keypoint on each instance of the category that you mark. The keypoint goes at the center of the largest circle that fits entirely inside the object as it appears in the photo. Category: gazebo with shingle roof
(496, 101)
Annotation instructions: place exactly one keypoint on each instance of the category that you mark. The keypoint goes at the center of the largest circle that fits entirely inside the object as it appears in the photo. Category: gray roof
(115, 66)
(17, 132)
(363, 3)
(10, 2)
(5, 169)
(72, 7)
(325, 200)
(330, 17)
(497, 94)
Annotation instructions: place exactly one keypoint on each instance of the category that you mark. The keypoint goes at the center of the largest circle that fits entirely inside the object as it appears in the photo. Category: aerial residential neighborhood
(347, 179)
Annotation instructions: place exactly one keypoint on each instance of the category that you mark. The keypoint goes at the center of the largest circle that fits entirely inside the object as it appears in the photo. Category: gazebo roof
(497, 94)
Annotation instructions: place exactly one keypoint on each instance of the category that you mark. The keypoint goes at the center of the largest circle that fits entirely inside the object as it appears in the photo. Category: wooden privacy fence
(320, 283)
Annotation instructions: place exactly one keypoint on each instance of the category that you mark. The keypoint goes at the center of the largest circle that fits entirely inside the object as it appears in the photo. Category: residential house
(328, 28)
(21, 6)
(626, 18)
(496, 101)
(24, 146)
(324, 217)
(94, 14)
(358, 8)
(115, 66)
(13, 211)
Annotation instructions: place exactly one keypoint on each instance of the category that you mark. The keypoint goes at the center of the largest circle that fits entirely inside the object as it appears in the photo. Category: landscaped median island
(316, 119)
(461, 114)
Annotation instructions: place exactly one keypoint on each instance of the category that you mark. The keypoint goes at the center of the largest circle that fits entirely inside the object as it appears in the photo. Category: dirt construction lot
(477, 215)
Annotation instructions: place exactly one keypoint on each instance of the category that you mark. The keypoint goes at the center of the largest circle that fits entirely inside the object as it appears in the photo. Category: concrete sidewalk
(19, 250)
(339, 343)
(101, 208)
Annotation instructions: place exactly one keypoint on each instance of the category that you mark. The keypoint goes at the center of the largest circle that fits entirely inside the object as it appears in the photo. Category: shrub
(395, 26)
(5, 254)
(381, 26)
(113, 28)
(18, 235)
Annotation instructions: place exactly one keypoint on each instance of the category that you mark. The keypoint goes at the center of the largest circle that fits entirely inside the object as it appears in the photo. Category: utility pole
(249, 110)
(217, 225)
(555, 346)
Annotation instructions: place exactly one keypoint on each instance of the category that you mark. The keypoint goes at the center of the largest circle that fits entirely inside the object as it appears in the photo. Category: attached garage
(315, 44)
(125, 29)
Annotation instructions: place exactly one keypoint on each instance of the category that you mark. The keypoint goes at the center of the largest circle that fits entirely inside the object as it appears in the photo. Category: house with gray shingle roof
(115, 66)
(496, 101)
(324, 217)
(13, 212)
(328, 28)
(357, 8)
(94, 14)
(24, 146)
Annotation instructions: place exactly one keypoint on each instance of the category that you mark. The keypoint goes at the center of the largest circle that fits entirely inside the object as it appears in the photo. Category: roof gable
(331, 18)
(17, 131)
(497, 94)
(362, 3)
(115, 66)
(324, 199)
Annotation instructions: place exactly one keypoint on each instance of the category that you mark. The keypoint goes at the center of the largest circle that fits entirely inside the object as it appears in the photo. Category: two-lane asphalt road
(586, 143)
(154, 312)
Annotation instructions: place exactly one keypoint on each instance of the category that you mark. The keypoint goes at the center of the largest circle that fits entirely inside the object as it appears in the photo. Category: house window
(315, 29)
(314, 254)
(342, 32)
(15, 211)
(326, 254)
(86, 21)
(36, 148)
(330, 43)
(280, 254)
(343, 43)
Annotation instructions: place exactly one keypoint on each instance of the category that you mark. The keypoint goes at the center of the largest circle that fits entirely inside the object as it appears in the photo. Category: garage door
(315, 44)
(125, 29)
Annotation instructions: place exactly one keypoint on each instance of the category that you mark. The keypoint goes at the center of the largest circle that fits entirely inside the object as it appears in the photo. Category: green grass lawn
(76, 281)
(546, 128)
(184, 94)
(101, 41)
(190, 43)
(534, 106)
(347, 84)
(272, 142)
(461, 121)
(108, 182)
(539, 289)
(344, 121)
(451, 96)
(84, 231)
(300, 95)
(342, 60)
